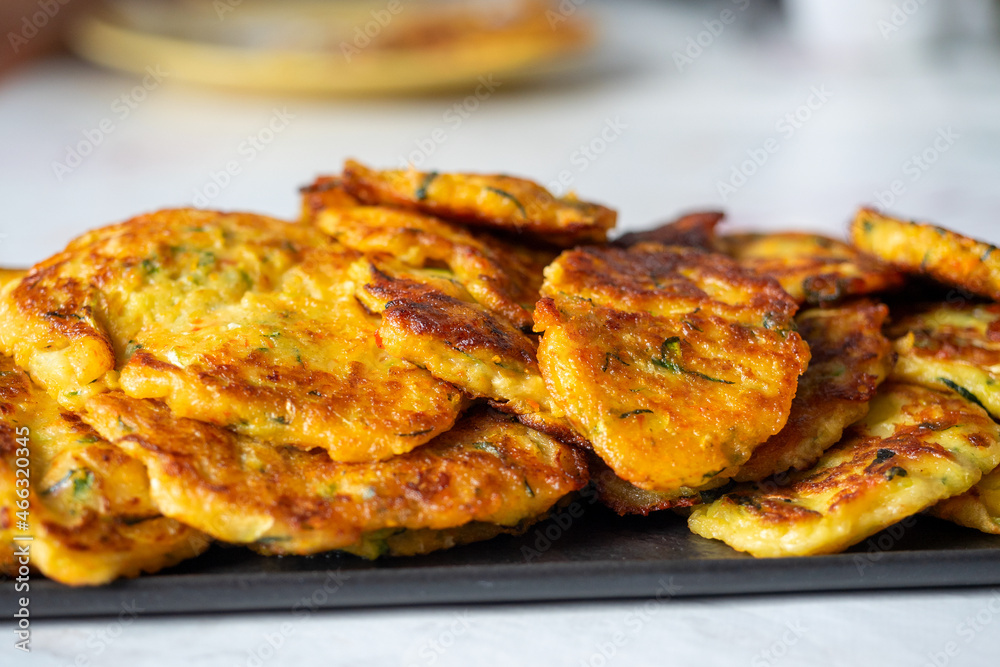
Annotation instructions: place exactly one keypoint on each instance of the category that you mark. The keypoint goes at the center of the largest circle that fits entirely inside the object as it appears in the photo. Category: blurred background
(785, 114)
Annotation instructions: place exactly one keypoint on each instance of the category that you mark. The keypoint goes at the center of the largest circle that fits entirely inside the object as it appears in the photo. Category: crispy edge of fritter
(499, 275)
(958, 359)
(625, 498)
(641, 278)
(695, 230)
(397, 542)
(833, 272)
(518, 205)
(897, 452)
(426, 326)
(88, 547)
(245, 491)
(921, 248)
(850, 359)
(325, 192)
(978, 508)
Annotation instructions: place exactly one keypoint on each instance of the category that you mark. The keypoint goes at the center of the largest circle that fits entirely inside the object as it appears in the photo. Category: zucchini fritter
(696, 230)
(915, 447)
(495, 201)
(814, 269)
(944, 255)
(850, 359)
(499, 276)
(234, 319)
(978, 508)
(675, 363)
(85, 503)
(282, 500)
(953, 347)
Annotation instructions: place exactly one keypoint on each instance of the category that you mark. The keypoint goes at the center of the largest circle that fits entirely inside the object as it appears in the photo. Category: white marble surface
(891, 628)
(682, 133)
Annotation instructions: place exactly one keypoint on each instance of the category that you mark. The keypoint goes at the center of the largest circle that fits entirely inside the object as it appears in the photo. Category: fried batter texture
(494, 201)
(626, 498)
(814, 269)
(850, 359)
(915, 447)
(944, 255)
(85, 504)
(233, 319)
(978, 508)
(434, 323)
(283, 500)
(696, 230)
(502, 277)
(675, 363)
(954, 347)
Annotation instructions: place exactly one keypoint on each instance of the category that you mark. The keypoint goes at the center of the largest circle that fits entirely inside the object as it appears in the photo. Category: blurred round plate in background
(354, 47)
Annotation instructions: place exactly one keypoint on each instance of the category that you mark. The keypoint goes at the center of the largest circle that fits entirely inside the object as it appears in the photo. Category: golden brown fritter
(850, 359)
(234, 319)
(695, 230)
(978, 508)
(814, 269)
(929, 250)
(326, 192)
(499, 276)
(673, 362)
(283, 500)
(493, 201)
(85, 504)
(915, 447)
(954, 347)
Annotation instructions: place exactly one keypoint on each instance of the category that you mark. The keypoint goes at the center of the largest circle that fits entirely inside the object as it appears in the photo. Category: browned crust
(502, 276)
(640, 277)
(850, 359)
(696, 230)
(522, 206)
(867, 460)
(814, 269)
(325, 192)
(921, 248)
(624, 498)
(418, 309)
(452, 480)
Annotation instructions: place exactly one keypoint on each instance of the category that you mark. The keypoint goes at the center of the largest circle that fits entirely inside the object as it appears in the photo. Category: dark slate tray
(591, 557)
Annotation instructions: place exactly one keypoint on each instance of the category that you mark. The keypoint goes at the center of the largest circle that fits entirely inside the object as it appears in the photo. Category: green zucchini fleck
(895, 471)
(507, 195)
(421, 193)
(963, 392)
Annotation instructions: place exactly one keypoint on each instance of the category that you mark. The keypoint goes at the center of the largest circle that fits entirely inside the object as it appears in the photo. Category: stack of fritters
(288, 386)
(929, 440)
(431, 359)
